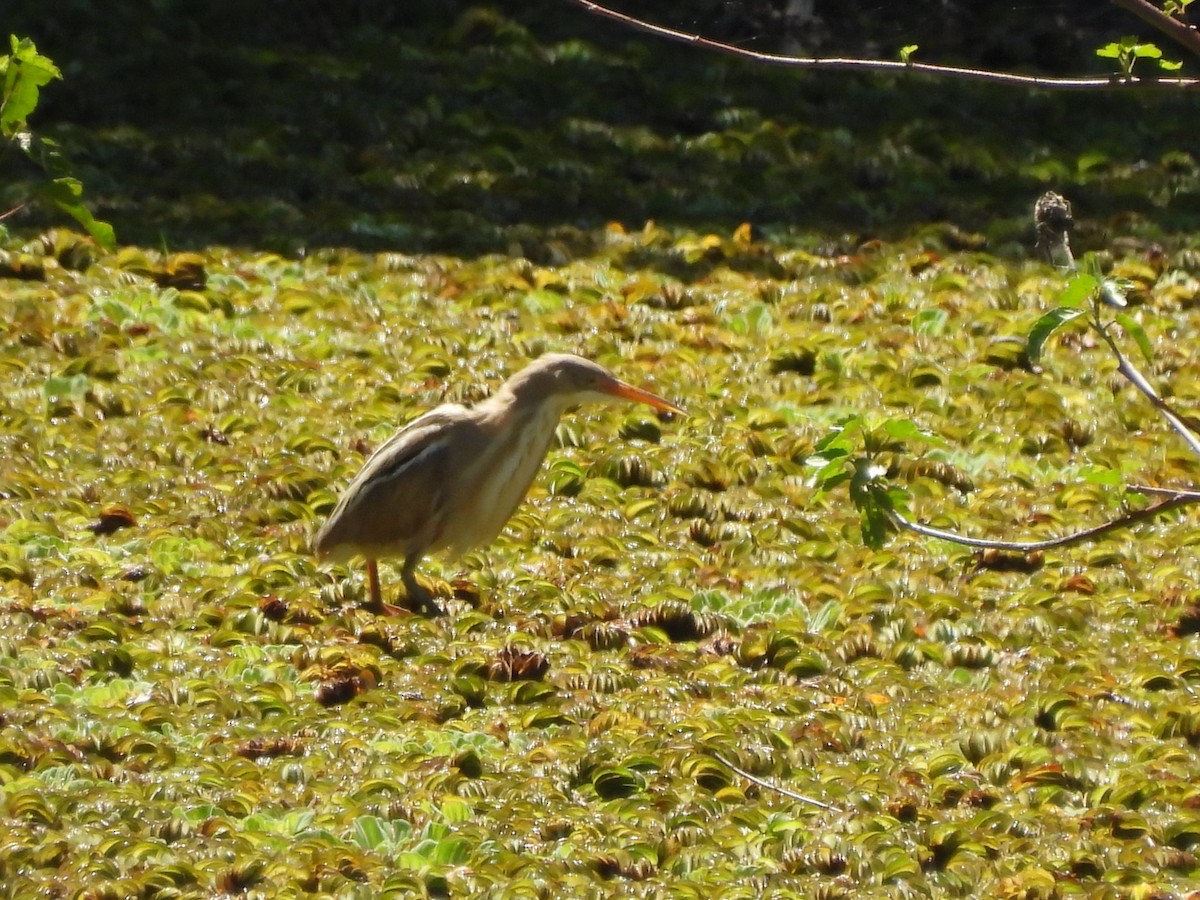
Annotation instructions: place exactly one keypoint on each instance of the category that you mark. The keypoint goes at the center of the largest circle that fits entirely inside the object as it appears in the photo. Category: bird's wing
(437, 418)
(393, 505)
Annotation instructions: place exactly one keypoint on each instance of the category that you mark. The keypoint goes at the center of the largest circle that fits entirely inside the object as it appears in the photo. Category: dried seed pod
(719, 643)
(1188, 622)
(269, 747)
(514, 664)
(1053, 221)
(1008, 561)
(273, 608)
(343, 687)
(112, 519)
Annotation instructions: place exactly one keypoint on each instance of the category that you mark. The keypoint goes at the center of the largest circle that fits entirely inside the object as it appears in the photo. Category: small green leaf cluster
(1085, 296)
(1128, 50)
(849, 454)
(23, 73)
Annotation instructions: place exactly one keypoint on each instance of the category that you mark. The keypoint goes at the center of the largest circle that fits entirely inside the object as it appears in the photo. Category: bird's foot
(383, 608)
(432, 608)
(419, 600)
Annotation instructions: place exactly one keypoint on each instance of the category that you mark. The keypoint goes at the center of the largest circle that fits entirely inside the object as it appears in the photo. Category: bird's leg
(373, 581)
(376, 604)
(418, 597)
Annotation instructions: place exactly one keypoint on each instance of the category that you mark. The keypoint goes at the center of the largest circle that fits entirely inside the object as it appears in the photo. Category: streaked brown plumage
(450, 479)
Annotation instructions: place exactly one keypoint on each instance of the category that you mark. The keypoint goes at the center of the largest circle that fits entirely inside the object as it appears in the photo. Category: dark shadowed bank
(469, 127)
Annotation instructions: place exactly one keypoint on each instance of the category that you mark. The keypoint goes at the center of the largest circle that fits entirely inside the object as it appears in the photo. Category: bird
(450, 479)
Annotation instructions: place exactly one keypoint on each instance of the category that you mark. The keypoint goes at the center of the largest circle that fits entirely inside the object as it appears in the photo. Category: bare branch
(769, 786)
(1111, 82)
(1052, 219)
(1174, 499)
(1169, 492)
(1178, 31)
(12, 212)
(1139, 381)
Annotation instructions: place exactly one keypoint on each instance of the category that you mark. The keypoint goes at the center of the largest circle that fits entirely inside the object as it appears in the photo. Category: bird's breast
(498, 478)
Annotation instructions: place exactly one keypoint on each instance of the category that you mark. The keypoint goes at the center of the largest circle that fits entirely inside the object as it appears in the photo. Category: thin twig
(1170, 492)
(1052, 218)
(1174, 499)
(769, 786)
(12, 212)
(1111, 82)
(1178, 31)
(1139, 381)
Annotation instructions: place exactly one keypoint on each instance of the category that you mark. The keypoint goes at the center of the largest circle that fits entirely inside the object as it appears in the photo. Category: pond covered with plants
(680, 670)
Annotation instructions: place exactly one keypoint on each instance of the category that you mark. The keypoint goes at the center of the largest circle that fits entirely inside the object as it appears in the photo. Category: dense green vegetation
(190, 706)
(461, 128)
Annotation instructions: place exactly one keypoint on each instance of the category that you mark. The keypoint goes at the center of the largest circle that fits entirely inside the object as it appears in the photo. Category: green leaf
(1170, 65)
(831, 450)
(874, 525)
(25, 72)
(832, 447)
(66, 389)
(907, 51)
(1092, 265)
(837, 442)
(371, 832)
(1101, 475)
(451, 852)
(833, 472)
(930, 321)
(65, 193)
(543, 302)
(826, 617)
(1134, 329)
(833, 479)
(756, 320)
(1091, 160)
(1109, 51)
(1078, 289)
(871, 498)
(1044, 327)
(905, 429)
(1147, 51)
(617, 781)
(456, 811)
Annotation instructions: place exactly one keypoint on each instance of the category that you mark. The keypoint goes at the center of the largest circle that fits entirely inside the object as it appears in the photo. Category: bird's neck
(534, 421)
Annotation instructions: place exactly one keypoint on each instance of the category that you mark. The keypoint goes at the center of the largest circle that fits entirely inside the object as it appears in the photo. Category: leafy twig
(1176, 30)
(1174, 499)
(1112, 82)
(769, 786)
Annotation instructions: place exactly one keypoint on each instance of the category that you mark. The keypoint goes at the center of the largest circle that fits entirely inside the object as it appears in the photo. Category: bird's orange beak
(637, 395)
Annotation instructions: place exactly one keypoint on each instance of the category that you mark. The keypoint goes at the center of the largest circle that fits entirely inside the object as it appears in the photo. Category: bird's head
(567, 380)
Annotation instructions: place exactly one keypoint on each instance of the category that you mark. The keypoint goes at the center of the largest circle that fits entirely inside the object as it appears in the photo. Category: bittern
(450, 479)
